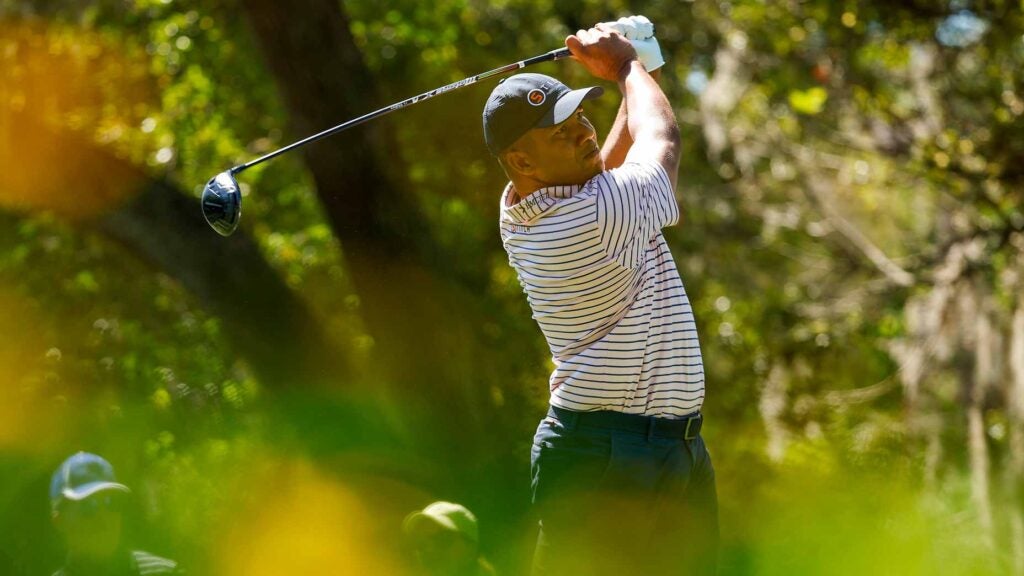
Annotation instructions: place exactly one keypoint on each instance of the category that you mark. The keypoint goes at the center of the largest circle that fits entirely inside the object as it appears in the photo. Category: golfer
(622, 481)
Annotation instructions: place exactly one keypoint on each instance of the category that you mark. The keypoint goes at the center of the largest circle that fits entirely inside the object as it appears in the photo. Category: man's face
(443, 552)
(563, 154)
(91, 527)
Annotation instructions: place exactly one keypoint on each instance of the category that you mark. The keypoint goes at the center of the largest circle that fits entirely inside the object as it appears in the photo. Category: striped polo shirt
(134, 563)
(605, 292)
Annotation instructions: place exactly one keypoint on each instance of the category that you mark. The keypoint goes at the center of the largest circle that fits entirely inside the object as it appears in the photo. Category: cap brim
(567, 104)
(86, 490)
(414, 522)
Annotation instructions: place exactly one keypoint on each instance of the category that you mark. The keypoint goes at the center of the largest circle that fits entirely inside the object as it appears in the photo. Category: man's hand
(640, 33)
(603, 52)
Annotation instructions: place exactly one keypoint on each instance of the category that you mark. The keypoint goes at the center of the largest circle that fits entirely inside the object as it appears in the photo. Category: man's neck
(521, 188)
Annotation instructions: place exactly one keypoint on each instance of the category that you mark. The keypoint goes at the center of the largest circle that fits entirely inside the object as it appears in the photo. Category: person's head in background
(445, 540)
(86, 504)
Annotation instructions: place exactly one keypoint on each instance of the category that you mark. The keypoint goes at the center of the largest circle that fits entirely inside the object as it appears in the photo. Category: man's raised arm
(651, 121)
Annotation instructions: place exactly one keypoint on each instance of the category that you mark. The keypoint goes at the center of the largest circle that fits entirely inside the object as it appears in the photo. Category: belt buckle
(689, 424)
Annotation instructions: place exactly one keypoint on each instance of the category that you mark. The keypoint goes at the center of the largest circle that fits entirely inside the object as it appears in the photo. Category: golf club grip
(556, 54)
(560, 53)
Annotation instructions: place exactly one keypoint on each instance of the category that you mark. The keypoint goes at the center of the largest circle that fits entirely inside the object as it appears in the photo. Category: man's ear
(518, 161)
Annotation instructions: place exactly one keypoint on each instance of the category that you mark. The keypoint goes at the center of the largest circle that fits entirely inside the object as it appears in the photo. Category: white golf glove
(640, 33)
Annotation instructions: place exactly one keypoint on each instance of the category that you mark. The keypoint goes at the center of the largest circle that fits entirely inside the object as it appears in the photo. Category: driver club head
(222, 203)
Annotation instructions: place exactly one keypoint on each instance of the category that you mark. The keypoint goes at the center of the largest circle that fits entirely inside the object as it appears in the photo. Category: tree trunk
(977, 384)
(268, 324)
(426, 323)
(1015, 418)
(323, 80)
(772, 406)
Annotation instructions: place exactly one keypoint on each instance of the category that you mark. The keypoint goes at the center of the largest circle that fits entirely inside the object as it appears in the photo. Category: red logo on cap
(536, 97)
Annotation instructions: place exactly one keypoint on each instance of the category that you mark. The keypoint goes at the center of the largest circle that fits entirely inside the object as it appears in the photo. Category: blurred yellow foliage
(58, 87)
(302, 522)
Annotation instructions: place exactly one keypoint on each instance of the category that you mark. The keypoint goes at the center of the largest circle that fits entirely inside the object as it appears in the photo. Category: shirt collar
(536, 203)
(120, 564)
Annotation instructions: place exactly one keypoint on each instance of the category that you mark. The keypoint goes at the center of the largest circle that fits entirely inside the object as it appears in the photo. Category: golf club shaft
(552, 55)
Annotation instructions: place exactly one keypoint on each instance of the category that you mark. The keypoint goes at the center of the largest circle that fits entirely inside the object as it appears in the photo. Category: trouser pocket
(566, 465)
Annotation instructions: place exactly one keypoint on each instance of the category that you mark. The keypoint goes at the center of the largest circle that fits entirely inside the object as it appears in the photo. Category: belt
(688, 427)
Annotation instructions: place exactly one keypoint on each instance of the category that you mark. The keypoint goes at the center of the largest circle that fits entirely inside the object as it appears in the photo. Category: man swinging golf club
(622, 480)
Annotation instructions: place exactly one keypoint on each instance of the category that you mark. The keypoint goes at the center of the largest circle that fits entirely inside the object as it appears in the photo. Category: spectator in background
(445, 541)
(87, 504)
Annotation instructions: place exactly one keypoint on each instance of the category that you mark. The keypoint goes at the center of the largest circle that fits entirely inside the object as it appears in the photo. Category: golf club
(222, 200)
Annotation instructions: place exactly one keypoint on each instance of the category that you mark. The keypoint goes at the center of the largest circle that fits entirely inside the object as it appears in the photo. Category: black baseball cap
(525, 101)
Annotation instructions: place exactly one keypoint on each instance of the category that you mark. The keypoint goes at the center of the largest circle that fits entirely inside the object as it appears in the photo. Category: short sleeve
(634, 202)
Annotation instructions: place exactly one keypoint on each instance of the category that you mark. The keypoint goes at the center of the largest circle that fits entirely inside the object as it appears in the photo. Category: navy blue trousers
(621, 502)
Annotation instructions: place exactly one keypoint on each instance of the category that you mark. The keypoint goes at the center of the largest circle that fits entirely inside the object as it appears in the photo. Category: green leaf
(809, 101)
